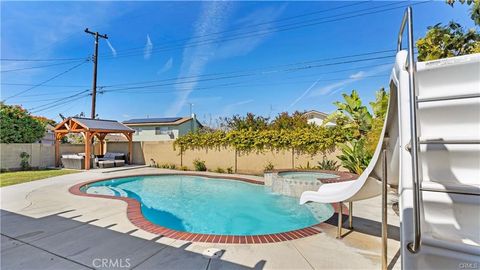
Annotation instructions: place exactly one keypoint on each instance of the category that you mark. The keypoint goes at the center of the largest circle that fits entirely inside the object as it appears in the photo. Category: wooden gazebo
(91, 128)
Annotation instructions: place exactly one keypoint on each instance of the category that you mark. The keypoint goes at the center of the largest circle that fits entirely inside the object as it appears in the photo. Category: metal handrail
(411, 68)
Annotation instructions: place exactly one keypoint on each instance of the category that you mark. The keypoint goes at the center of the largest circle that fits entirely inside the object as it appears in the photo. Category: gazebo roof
(77, 124)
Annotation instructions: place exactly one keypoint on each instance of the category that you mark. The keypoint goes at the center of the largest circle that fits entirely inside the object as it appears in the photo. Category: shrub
(24, 156)
(183, 168)
(328, 165)
(18, 126)
(355, 156)
(447, 41)
(167, 166)
(219, 170)
(199, 165)
(307, 167)
(268, 167)
(309, 140)
(229, 170)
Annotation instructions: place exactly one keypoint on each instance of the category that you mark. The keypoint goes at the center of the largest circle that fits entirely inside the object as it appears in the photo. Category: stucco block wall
(41, 155)
(122, 147)
(221, 158)
(162, 152)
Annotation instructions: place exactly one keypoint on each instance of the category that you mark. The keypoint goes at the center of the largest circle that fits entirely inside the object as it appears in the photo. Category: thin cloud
(213, 18)
(258, 18)
(228, 109)
(166, 67)
(334, 87)
(357, 75)
(114, 52)
(303, 94)
(147, 52)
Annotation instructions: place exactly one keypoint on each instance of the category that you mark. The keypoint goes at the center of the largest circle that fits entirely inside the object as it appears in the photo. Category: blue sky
(224, 57)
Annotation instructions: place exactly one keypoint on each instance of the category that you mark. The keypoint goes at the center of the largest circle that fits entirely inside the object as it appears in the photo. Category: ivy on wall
(308, 140)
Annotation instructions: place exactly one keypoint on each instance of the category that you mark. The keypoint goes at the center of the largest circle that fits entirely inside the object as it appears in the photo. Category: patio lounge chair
(110, 159)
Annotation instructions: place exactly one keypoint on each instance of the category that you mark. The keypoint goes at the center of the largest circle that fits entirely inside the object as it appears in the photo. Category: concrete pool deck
(46, 227)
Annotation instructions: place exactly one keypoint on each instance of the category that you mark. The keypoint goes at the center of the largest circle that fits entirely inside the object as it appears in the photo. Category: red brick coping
(134, 214)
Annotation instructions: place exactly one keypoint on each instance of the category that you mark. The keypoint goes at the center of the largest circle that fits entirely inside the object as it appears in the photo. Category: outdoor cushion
(106, 164)
(119, 162)
(72, 156)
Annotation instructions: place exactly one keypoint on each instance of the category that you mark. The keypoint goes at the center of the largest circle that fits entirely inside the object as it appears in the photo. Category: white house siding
(316, 121)
(147, 132)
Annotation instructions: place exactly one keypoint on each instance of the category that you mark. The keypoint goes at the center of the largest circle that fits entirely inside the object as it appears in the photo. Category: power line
(59, 100)
(265, 32)
(41, 60)
(256, 24)
(255, 69)
(59, 104)
(99, 89)
(42, 66)
(261, 72)
(52, 105)
(44, 82)
(240, 85)
(253, 73)
(45, 85)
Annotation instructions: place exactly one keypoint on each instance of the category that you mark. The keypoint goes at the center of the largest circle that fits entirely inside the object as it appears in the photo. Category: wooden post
(130, 149)
(87, 150)
(102, 152)
(57, 149)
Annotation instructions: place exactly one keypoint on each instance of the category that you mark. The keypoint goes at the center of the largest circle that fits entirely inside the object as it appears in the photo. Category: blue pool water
(213, 206)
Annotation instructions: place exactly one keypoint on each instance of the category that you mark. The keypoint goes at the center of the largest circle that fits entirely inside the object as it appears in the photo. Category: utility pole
(95, 62)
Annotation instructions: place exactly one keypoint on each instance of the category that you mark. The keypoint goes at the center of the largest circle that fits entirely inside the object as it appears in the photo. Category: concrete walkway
(46, 227)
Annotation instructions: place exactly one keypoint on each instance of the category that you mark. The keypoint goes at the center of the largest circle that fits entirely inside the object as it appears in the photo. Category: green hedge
(309, 140)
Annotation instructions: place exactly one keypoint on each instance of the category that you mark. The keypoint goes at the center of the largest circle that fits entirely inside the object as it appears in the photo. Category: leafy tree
(286, 121)
(355, 156)
(46, 121)
(251, 121)
(18, 126)
(379, 108)
(474, 11)
(352, 115)
(362, 127)
(447, 41)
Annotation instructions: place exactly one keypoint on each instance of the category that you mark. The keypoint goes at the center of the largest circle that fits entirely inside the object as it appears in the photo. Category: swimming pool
(202, 205)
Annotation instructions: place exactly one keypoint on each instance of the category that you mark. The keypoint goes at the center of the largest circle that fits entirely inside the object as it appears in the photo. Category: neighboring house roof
(316, 113)
(166, 121)
(111, 126)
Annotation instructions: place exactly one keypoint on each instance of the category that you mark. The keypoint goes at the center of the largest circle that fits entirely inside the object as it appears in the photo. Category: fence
(41, 155)
(164, 153)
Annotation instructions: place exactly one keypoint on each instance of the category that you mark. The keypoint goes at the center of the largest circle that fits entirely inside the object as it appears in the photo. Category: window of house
(161, 130)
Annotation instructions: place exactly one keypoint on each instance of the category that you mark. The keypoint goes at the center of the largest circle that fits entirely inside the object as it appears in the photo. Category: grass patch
(13, 178)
